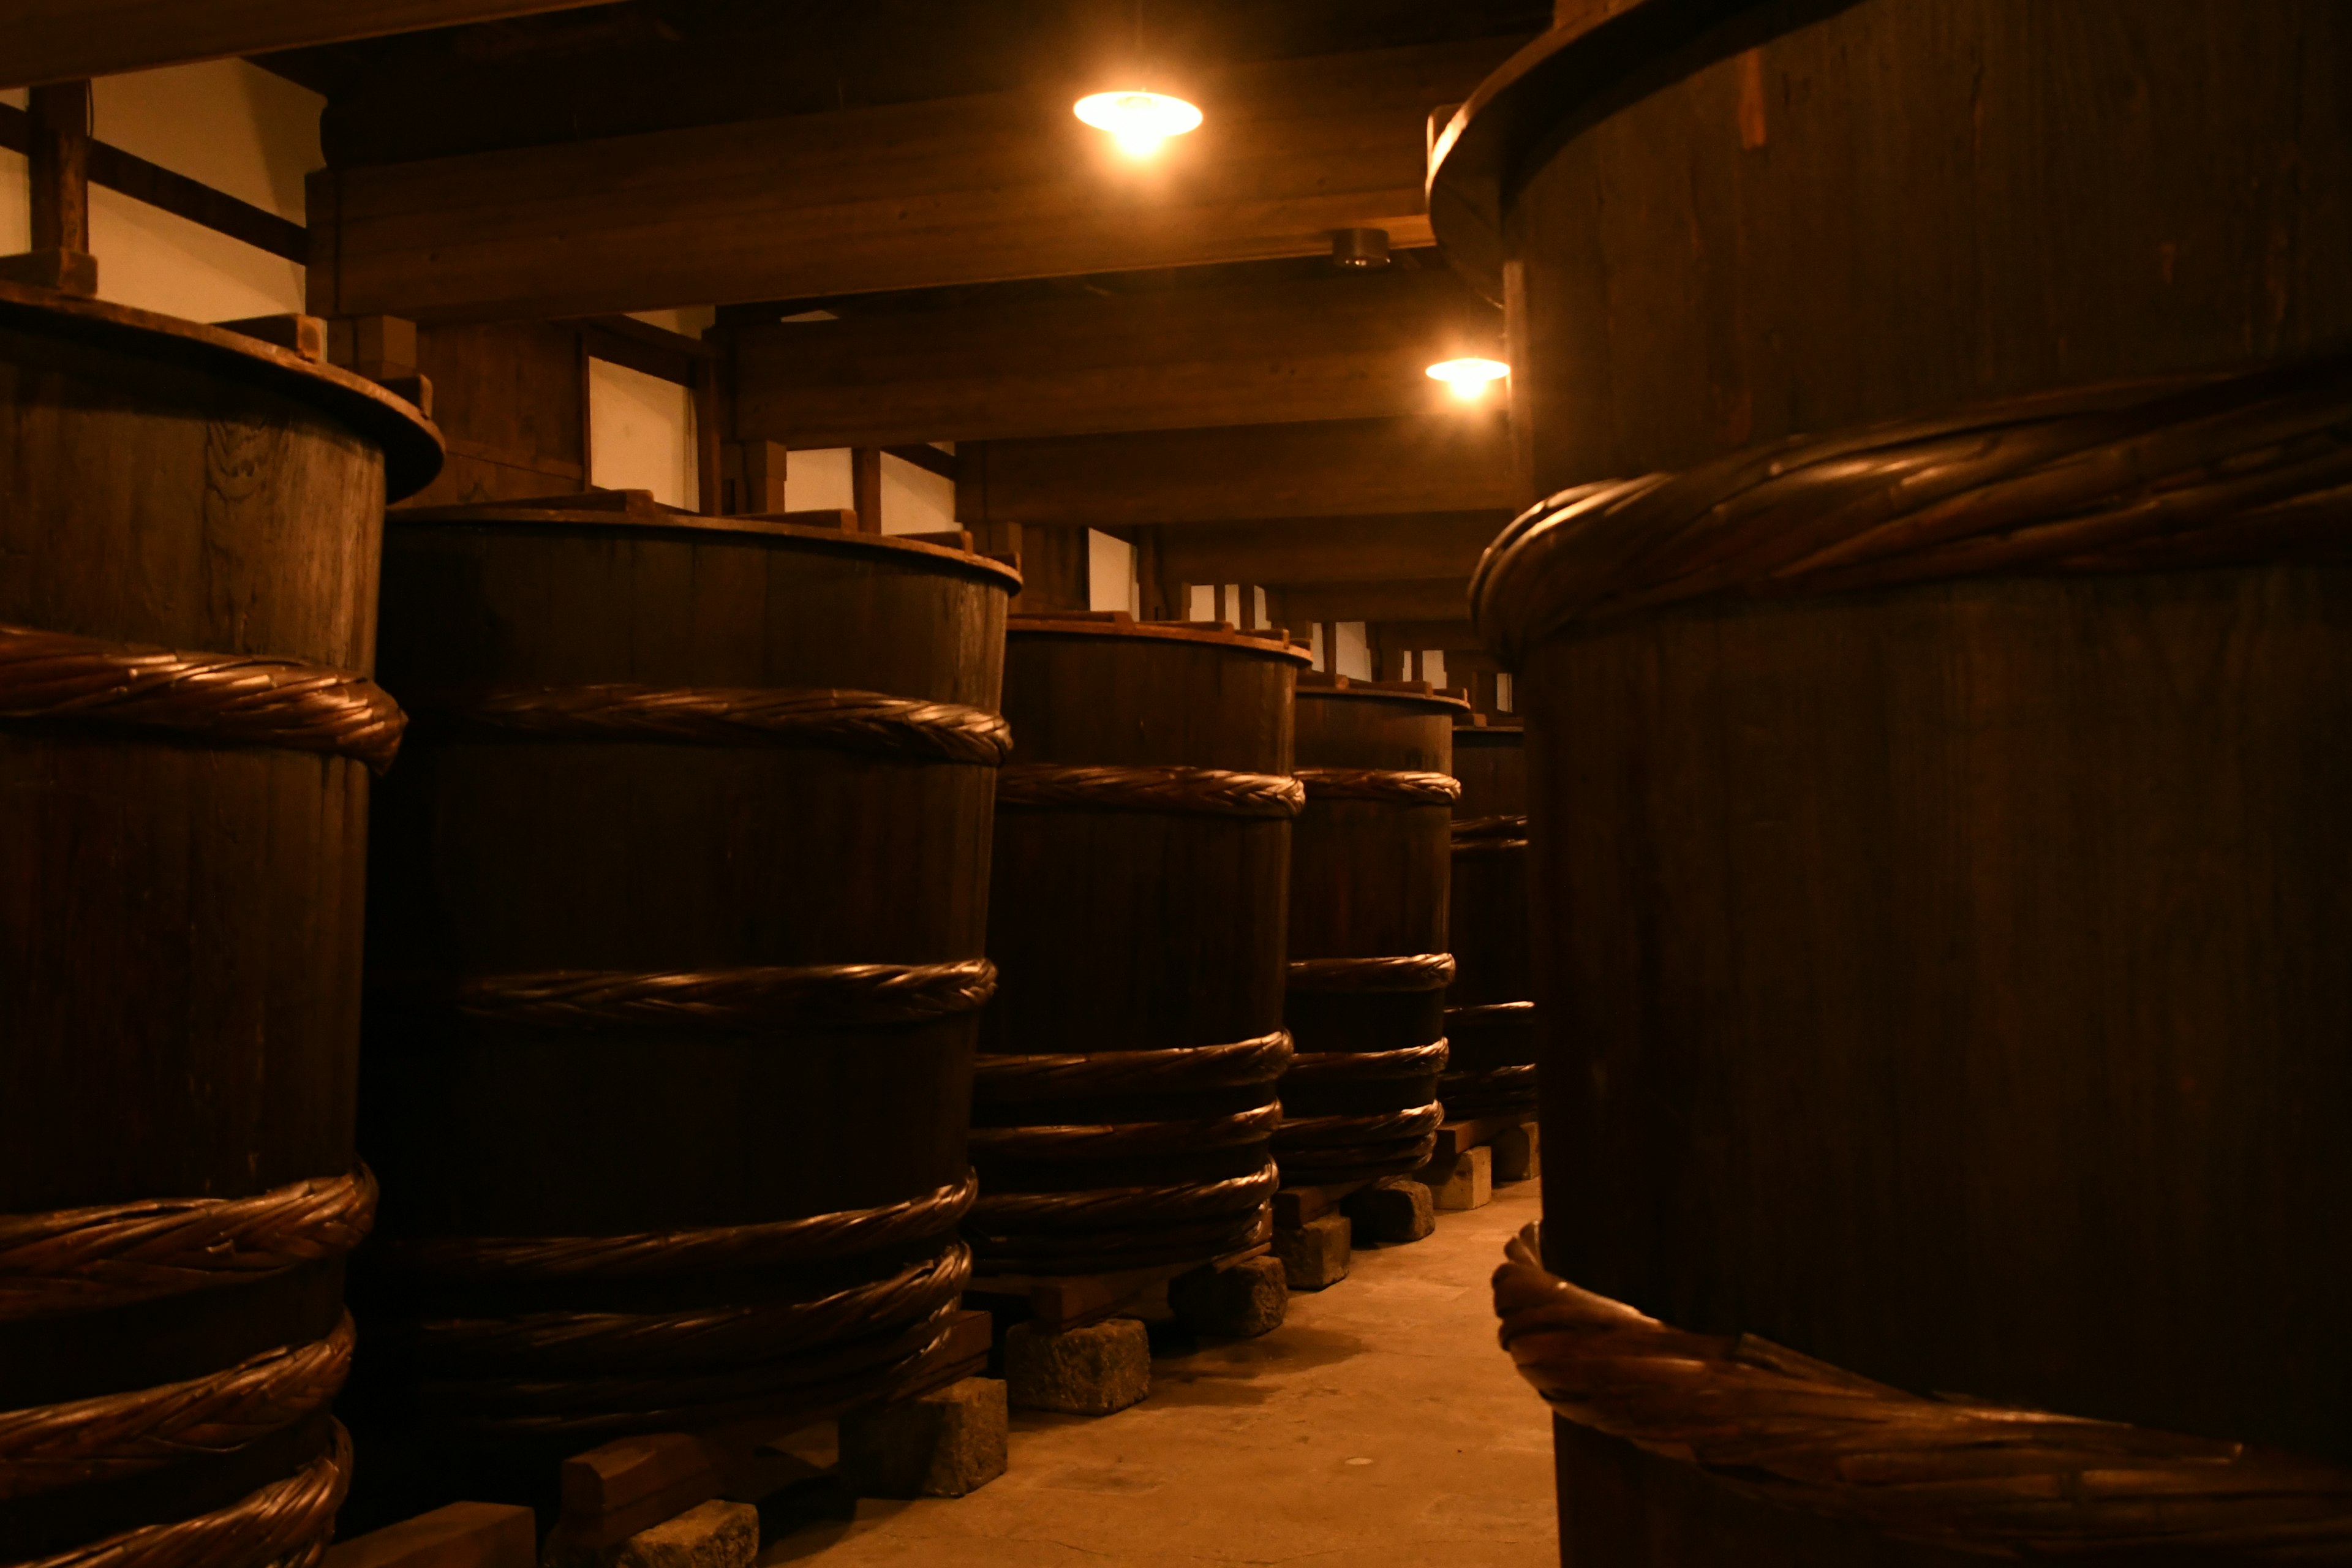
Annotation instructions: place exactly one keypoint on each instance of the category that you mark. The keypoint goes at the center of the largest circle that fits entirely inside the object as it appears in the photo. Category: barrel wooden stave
(1134, 931)
(179, 1001)
(1488, 927)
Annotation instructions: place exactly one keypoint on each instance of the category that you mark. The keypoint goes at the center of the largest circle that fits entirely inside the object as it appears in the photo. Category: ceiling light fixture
(1467, 378)
(1140, 121)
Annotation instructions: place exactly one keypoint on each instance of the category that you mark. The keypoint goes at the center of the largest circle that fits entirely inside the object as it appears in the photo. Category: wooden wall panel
(510, 401)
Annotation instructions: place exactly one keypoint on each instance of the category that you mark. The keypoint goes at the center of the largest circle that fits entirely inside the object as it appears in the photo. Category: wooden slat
(56, 40)
(1327, 551)
(1456, 461)
(1345, 346)
(944, 192)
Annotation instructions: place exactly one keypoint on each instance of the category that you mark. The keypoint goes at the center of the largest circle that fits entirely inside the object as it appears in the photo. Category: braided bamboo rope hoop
(1312, 1134)
(1507, 828)
(1098, 1252)
(1086, 1142)
(847, 996)
(87, 1258)
(1212, 790)
(1511, 1078)
(247, 699)
(1363, 1067)
(552, 1344)
(666, 1254)
(2128, 477)
(1403, 972)
(869, 722)
(1801, 1434)
(1353, 1162)
(44, 1446)
(1000, 1213)
(1392, 784)
(285, 1524)
(1001, 1079)
(1470, 847)
(1490, 1013)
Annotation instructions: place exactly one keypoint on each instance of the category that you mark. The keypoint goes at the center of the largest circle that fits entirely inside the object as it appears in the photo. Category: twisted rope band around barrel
(1098, 1251)
(2130, 477)
(1315, 1067)
(285, 1524)
(846, 995)
(1211, 791)
(44, 1446)
(108, 1255)
(870, 723)
(1801, 1434)
(1301, 1133)
(661, 1254)
(1092, 1208)
(550, 1344)
(1004, 1079)
(1402, 788)
(1088, 1143)
(1467, 828)
(247, 699)
(1489, 1013)
(1402, 972)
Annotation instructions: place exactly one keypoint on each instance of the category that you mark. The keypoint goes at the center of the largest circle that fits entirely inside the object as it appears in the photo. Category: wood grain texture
(1488, 922)
(1341, 347)
(1945, 205)
(56, 40)
(511, 402)
(179, 917)
(952, 191)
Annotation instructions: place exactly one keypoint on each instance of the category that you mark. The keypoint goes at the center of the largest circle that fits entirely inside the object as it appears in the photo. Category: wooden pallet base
(1059, 1302)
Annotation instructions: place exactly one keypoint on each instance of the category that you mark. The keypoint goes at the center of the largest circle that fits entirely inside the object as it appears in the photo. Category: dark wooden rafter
(137, 178)
(961, 190)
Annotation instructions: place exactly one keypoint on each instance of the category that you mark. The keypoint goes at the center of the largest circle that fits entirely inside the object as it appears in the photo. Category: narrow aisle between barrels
(1379, 1424)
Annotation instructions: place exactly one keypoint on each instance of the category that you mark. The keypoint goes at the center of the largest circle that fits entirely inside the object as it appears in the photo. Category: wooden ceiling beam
(955, 190)
(1457, 461)
(1408, 599)
(1345, 346)
(1328, 551)
(64, 40)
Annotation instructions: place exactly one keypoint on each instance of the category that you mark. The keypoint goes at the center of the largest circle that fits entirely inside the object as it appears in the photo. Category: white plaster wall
(819, 480)
(1355, 651)
(15, 200)
(641, 435)
(1110, 574)
(914, 500)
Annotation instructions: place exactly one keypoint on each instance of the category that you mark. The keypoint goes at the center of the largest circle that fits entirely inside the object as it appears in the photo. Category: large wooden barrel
(1125, 1100)
(1490, 1011)
(675, 969)
(1370, 865)
(1942, 882)
(188, 530)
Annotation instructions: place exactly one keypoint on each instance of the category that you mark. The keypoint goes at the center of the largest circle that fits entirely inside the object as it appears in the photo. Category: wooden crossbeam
(952, 191)
(56, 40)
(1457, 460)
(1426, 599)
(1343, 346)
(1326, 552)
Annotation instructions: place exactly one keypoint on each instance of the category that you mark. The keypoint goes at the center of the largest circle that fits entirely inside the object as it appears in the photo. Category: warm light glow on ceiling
(1467, 379)
(1141, 120)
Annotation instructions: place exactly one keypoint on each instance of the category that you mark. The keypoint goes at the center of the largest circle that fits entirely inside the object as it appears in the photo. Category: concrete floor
(1380, 1425)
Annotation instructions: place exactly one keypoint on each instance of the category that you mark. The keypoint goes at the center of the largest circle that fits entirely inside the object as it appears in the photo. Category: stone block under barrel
(675, 968)
(1944, 876)
(188, 529)
(1490, 1011)
(1369, 867)
(1125, 1097)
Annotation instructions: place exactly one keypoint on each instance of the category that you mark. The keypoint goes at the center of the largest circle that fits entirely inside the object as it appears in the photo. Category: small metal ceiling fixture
(1360, 247)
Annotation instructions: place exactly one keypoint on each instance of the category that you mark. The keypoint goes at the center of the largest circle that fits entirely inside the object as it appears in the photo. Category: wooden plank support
(1457, 461)
(866, 487)
(1059, 1301)
(1266, 350)
(54, 41)
(462, 1535)
(59, 154)
(948, 191)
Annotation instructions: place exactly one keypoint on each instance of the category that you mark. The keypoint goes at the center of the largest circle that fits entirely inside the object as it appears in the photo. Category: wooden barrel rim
(699, 527)
(1211, 634)
(1801, 1434)
(2209, 470)
(663, 1254)
(1215, 792)
(287, 1522)
(1423, 701)
(85, 1259)
(410, 443)
(1562, 82)
(241, 699)
(754, 997)
(1400, 972)
(554, 1343)
(870, 721)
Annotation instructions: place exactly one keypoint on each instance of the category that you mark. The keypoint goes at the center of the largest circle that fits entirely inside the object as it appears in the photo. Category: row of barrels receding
(718, 979)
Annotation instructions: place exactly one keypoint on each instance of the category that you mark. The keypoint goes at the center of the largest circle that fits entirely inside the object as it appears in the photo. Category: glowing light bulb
(1468, 379)
(1139, 121)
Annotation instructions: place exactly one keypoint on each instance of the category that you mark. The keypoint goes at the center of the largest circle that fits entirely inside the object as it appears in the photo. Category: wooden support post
(60, 258)
(709, 495)
(866, 487)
